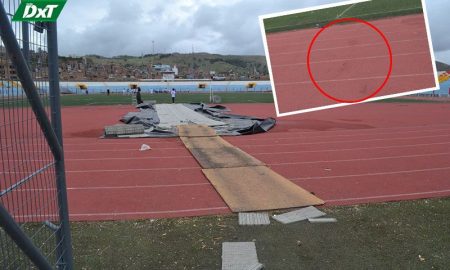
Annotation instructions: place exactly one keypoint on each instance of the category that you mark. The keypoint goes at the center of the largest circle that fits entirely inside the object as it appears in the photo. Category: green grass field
(374, 9)
(245, 97)
(403, 235)
(102, 99)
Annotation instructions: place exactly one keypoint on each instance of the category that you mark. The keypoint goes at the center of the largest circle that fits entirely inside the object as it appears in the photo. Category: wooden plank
(205, 142)
(258, 188)
(223, 157)
(195, 131)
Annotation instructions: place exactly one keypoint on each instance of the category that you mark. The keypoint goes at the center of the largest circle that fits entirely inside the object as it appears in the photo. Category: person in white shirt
(173, 93)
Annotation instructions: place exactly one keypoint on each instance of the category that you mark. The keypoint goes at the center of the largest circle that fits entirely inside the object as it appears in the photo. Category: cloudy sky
(116, 27)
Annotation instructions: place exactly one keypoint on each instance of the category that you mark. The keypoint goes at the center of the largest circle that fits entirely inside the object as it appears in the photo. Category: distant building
(168, 76)
(7, 71)
(162, 68)
(218, 78)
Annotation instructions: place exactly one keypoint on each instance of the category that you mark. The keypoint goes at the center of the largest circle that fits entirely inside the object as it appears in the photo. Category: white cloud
(114, 27)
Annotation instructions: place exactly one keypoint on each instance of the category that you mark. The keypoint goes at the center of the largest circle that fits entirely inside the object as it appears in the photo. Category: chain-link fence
(33, 204)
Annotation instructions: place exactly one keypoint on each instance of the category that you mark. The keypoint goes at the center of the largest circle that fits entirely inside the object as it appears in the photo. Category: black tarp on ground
(234, 124)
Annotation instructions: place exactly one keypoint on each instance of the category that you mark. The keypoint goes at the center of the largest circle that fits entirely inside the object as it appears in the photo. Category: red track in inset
(358, 154)
(349, 62)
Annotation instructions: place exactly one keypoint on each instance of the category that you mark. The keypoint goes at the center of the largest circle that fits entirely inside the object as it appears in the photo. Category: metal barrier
(34, 225)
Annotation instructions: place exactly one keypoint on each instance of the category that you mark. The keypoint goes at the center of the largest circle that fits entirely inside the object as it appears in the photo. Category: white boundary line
(264, 145)
(368, 174)
(358, 58)
(151, 212)
(269, 65)
(119, 187)
(369, 130)
(350, 149)
(358, 159)
(381, 24)
(356, 78)
(329, 40)
(433, 192)
(347, 141)
(276, 139)
(346, 47)
(347, 9)
(115, 214)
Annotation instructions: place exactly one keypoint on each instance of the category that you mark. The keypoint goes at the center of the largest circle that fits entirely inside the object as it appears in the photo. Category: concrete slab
(322, 220)
(254, 219)
(239, 255)
(120, 130)
(299, 215)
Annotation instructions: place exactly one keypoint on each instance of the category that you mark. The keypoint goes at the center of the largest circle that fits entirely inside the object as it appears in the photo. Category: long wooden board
(205, 142)
(223, 157)
(243, 181)
(258, 188)
(195, 131)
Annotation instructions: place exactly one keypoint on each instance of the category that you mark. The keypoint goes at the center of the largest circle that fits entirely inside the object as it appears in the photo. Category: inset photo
(347, 53)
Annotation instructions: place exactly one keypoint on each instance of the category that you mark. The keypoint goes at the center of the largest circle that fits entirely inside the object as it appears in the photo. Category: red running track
(350, 62)
(357, 154)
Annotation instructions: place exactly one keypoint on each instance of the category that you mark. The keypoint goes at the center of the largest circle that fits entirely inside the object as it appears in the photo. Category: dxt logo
(39, 10)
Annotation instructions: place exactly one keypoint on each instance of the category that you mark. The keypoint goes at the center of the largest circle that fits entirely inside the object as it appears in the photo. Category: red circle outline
(316, 84)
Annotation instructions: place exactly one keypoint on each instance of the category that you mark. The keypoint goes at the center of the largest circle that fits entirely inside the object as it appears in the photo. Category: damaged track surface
(366, 153)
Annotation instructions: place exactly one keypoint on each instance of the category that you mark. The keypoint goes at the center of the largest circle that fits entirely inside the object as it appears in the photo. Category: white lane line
(148, 186)
(116, 214)
(103, 158)
(106, 150)
(118, 170)
(282, 35)
(370, 174)
(278, 144)
(298, 43)
(352, 141)
(148, 212)
(370, 131)
(350, 149)
(265, 138)
(134, 170)
(121, 142)
(118, 187)
(434, 192)
(357, 79)
(359, 159)
(346, 47)
(306, 132)
(122, 150)
(127, 158)
(350, 59)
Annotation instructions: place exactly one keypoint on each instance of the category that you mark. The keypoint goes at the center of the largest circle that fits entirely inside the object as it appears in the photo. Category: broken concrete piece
(322, 220)
(299, 215)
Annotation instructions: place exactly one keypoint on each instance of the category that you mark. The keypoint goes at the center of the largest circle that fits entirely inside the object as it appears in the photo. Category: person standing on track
(138, 96)
(173, 93)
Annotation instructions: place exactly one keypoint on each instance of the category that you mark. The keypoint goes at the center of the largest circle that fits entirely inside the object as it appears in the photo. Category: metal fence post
(26, 42)
(55, 109)
(23, 241)
(26, 79)
(19, 209)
